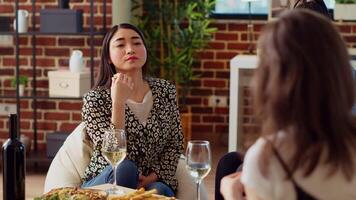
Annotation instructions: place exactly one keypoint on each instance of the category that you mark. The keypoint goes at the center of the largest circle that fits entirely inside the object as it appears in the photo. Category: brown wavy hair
(303, 86)
(107, 69)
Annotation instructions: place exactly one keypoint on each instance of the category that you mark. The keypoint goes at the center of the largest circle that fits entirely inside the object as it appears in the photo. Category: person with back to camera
(320, 7)
(123, 98)
(230, 162)
(303, 91)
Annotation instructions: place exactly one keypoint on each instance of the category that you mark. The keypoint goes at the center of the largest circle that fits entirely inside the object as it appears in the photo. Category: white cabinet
(238, 65)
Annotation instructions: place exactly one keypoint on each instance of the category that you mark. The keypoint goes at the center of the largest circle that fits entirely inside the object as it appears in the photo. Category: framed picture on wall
(278, 6)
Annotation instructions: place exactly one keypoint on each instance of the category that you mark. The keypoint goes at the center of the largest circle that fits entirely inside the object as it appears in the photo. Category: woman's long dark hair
(303, 86)
(107, 69)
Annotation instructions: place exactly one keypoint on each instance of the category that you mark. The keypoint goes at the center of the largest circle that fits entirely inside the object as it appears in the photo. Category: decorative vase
(22, 21)
(21, 89)
(76, 61)
(27, 142)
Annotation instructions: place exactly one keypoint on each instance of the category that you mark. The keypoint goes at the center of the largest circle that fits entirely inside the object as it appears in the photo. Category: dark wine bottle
(13, 160)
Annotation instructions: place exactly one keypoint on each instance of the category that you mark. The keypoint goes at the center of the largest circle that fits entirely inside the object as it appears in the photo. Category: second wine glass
(114, 151)
(198, 161)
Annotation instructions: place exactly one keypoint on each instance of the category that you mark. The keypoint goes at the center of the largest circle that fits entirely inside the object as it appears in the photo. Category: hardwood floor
(34, 185)
(35, 180)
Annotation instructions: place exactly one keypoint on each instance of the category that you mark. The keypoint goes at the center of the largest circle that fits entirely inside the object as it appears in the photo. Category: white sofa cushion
(186, 184)
(68, 166)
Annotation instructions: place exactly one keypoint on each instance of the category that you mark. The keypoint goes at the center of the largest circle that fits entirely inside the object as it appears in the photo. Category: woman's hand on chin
(121, 88)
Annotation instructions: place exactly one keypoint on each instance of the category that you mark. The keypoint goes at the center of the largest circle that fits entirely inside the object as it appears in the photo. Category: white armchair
(70, 162)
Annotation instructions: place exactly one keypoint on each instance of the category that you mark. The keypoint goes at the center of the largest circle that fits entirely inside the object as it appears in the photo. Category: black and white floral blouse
(155, 147)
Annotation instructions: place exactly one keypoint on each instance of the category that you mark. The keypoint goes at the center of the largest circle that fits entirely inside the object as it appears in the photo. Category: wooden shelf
(35, 157)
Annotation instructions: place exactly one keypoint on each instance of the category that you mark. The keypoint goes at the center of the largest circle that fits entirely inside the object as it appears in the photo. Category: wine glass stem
(198, 190)
(114, 172)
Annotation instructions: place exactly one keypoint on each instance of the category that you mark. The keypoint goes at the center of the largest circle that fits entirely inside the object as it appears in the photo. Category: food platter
(73, 193)
(98, 193)
(141, 194)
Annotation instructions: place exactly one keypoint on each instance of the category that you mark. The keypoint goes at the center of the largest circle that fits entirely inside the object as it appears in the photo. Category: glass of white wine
(198, 161)
(114, 151)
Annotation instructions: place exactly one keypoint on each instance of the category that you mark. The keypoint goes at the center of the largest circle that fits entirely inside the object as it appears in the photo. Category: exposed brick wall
(214, 69)
(212, 66)
(52, 53)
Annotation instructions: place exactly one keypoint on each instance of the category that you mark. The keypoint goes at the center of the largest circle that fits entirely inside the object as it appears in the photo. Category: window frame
(239, 16)
(253, 16)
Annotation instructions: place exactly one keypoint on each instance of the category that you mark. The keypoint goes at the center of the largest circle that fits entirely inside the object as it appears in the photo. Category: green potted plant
(175, 31)
(345, 10)
(23, 80)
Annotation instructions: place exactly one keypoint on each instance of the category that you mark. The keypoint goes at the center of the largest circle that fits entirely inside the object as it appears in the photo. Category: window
(258, 7)
(241, 7)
